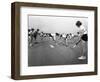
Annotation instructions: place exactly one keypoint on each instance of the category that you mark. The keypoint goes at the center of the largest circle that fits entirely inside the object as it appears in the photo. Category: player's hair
(32, 29)
(37, 29)
(78, 23)
(28, 30)
(78, 32)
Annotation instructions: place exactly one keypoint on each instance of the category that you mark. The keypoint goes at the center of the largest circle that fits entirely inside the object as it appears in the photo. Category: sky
(53, 24)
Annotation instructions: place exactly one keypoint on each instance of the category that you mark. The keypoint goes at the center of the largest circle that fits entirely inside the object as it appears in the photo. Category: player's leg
(84, 41)
(31, 40)
(82, 57)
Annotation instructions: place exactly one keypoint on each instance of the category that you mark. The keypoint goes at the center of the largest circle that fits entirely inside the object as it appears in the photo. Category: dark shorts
(84, 37)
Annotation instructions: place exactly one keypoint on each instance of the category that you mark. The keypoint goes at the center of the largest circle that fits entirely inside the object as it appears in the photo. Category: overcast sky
(52, 24)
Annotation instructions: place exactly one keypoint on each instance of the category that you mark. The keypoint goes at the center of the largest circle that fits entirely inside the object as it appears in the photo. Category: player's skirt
(84, 37)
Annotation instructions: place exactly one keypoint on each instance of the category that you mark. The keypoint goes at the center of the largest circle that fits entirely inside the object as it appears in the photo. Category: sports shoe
(82, 57)
(51, 46)
(74, 46)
